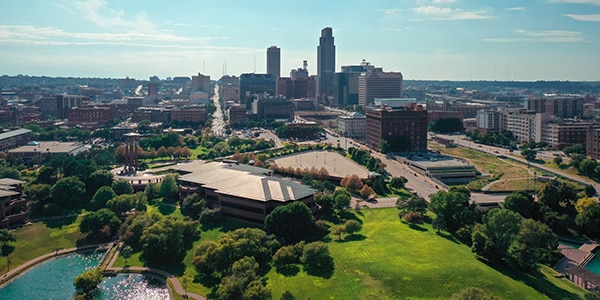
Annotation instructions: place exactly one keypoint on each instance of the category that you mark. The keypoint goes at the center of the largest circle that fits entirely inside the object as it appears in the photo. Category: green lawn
(41, 238)
(394, 261)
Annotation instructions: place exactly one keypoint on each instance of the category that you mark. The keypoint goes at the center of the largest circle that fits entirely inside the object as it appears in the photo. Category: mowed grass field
(41, 238)
(394, 261)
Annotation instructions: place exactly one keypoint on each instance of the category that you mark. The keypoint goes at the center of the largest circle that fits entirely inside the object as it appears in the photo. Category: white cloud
(589, 2)
(589, 18)
(548, 36)
(519, 8)
(98, 13)
(443, 1)
(433, 10)
(392, 29)
(445, 13)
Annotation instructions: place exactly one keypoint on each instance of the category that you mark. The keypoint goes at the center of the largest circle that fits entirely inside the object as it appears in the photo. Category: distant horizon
(456, 40)
(237, 75)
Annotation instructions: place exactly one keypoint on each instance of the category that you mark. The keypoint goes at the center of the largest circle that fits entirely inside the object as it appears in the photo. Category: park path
(107, 262)
(12, 274)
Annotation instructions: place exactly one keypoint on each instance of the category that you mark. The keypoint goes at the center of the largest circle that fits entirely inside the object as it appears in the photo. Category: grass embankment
(41, 238)
(392, 261)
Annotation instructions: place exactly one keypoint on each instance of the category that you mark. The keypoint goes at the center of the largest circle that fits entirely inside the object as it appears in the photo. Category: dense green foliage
(291, 223)
(448, 125)
(504, 138)
(101, 224)
(88, 280)
(452, 209)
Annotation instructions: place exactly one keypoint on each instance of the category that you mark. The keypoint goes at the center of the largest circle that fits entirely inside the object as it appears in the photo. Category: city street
(218, 123)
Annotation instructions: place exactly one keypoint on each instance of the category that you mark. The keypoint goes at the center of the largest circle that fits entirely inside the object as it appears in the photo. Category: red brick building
(403, 130)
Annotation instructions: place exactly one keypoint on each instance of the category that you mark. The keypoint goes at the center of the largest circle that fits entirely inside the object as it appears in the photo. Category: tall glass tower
(325, 63)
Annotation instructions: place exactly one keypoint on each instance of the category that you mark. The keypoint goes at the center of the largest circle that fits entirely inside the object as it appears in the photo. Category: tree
(588, 216)
(68, 192)
(169, 189)
(88, 280)
(97, 180)
(165, 242)
(102, 195)
(101, 224)
(291, 223)
(126, 252)
(352, 226)
(534, 243)
(366, 192)
(6, 237)
(352, 183)
(522, 203)
(122, 203)
(316, 258)
(152, 191)
(341, 199)
(39, 195)
(122, 186)
(286, 255)
(589, 190)
(492, 239)
(218, 257)
(287, 295)
(557, 160)
(529, 154)
(574, 149)
(46, 175)
(452, 210)
(414, 218)
(413, 204)
(192, 206)
(398, 182)
(243, 282)
(325, 202)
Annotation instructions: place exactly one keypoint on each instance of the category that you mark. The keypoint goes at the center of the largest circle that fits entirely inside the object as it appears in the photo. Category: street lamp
(185, 296)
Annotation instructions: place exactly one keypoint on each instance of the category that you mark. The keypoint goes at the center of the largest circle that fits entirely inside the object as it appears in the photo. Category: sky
(423, 39)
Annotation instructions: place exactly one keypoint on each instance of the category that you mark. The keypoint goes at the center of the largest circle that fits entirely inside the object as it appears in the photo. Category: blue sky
(423, 39)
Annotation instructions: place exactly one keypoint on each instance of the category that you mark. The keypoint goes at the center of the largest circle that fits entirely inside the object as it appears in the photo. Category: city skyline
(423, 39)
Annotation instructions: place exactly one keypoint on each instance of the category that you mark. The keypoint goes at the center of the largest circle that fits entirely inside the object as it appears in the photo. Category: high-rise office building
(274, 61)
(345, 84)
(325, 63)
(375, 83)
(201, 83)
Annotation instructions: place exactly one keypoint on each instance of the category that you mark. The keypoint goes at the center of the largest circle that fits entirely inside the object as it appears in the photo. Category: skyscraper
(274, 61)
(325, 63)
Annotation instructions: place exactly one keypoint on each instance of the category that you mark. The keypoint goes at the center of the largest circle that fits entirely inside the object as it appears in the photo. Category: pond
(53, 279)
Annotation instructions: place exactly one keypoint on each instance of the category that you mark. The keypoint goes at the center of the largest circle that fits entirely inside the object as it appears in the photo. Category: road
(218, 123)
(460, 140)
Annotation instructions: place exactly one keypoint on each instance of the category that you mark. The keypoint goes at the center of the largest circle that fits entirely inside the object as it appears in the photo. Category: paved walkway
(12, 274)
(108, 262)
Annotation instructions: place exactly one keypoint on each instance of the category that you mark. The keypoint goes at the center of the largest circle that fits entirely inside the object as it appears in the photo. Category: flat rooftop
(49, 147)
(336, 164)
(438, 162)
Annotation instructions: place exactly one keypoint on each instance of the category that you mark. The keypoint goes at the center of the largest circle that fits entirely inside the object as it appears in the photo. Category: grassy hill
(390, 260)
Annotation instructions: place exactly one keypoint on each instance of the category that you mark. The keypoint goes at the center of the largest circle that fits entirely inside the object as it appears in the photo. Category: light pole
(185, 296)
